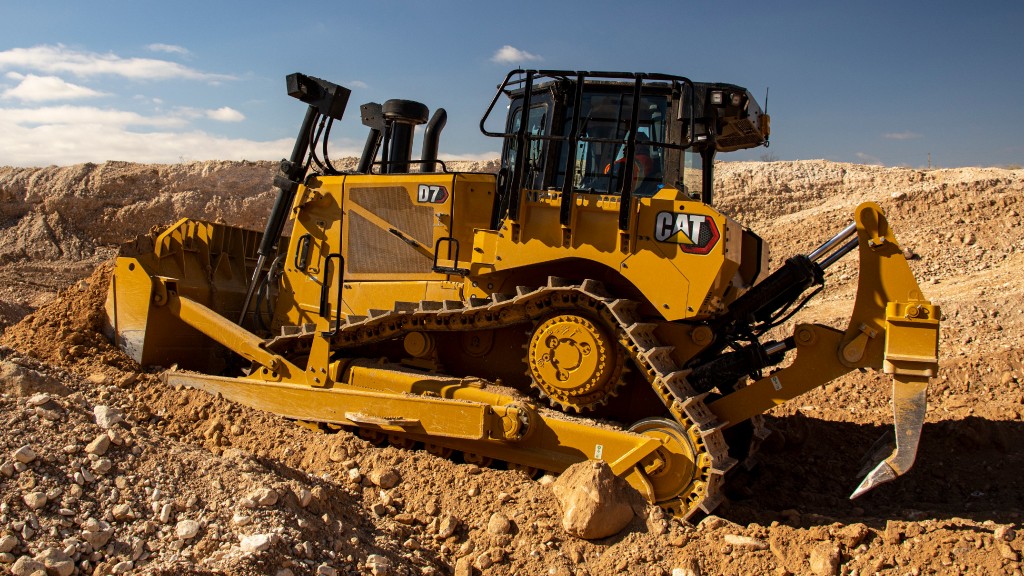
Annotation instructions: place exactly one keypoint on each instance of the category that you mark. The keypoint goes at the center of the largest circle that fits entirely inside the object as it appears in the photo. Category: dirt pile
(103, 469)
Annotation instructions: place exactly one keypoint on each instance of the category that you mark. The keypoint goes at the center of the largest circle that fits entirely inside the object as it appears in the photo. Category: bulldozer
(585, 302)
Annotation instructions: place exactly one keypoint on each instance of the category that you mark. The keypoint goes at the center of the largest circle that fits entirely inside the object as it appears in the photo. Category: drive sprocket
(574, 362)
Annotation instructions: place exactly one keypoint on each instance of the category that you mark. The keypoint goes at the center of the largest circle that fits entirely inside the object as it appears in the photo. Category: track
(682, 496)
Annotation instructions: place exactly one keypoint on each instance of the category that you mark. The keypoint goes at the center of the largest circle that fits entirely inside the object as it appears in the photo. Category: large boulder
(595, 502)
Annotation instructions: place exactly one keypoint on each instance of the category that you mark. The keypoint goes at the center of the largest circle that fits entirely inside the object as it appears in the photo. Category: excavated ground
(188, 483)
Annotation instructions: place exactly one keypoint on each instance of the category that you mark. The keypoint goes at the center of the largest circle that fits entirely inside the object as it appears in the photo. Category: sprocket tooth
(557, 282)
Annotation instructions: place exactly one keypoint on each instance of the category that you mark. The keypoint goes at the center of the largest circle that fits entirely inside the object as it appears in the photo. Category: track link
(654, 360)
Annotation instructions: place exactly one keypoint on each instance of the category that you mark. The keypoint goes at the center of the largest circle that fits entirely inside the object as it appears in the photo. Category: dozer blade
(908, 404)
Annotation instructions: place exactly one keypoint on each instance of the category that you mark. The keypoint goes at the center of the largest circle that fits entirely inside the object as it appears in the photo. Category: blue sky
(868, 82)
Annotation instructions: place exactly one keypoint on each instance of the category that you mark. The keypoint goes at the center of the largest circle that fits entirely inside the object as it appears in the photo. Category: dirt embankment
(121, 474)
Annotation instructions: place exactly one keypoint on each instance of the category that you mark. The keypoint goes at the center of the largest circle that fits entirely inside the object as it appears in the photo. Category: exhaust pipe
(431, 137)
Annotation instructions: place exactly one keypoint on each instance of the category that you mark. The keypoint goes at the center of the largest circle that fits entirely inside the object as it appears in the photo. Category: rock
(851, 536)
(1005, 533)
(123, 567)
(304, 497)
(447, 527)
(464, 566)
(499, 524)
(99, 445)
(123, 512)
(385, 479)
(38, 399)
(338, 452)
(8, 542)
(1007, 553)
(378, 565)
(483, 561)
(186, 529)
(27, 566)
(595, 502)
(745, 542)
(7, 469)
(256, 542)
(264, 497)
(893, 534)
(25, 454)
(712, 522)
(102, 466)
(116, 436)
(97, 533)
(690, 567)
(379, 509)
(34, 500)
(107, 416)
(326, 570)
(824, 560)
(57, 562)
(354, 475)
(166, 512)
(97, 379)
(24, 382)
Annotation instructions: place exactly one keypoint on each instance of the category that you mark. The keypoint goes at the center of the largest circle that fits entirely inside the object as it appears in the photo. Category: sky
(903, 83)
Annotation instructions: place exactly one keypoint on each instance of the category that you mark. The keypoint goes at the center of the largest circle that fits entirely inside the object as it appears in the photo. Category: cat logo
(431, 194)
(695, 233)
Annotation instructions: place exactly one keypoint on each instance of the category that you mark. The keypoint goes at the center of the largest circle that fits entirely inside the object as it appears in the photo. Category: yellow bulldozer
(587, 301)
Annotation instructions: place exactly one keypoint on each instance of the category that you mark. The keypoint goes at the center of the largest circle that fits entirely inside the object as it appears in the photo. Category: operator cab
(627, 134)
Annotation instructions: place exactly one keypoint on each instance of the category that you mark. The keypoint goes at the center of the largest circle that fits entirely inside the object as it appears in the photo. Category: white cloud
(357, 84)
(57, 59)
(168, 49)
(868, 159)
(511, 55)
(225, 114)
(34, 88)
(72, 134)
(901, 135)
(83, 116)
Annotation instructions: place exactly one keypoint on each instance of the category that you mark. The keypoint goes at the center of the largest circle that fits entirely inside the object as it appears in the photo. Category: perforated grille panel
(373, 249)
